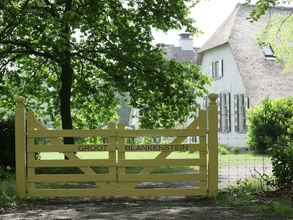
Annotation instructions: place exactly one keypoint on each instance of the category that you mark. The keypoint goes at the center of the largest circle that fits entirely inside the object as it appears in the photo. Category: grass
(249, 195)
(242, 159)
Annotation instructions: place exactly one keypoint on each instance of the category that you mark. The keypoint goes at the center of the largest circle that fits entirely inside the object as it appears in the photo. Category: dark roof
(180, 55)
(261, 77)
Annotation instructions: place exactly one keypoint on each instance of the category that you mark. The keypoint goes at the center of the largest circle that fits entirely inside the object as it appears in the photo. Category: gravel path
(128, 210)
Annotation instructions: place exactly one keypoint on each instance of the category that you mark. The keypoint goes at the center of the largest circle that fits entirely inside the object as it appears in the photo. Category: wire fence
(235, 167)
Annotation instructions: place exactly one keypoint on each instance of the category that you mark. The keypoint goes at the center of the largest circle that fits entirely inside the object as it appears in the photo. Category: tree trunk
(66, 79)
(65, 96)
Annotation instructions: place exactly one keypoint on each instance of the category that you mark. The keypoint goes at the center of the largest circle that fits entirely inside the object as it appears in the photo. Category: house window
(268, 52)
(217, 69)
(241, 104)
(193, 139)
(157, 140)
(224, 109)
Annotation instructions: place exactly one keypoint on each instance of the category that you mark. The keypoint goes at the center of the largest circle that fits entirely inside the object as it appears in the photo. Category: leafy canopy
(110, 51)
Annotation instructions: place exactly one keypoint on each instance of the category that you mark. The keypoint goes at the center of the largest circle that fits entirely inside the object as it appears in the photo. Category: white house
(243, 72)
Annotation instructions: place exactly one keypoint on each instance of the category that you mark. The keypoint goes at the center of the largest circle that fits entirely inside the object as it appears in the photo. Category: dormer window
(268, 52)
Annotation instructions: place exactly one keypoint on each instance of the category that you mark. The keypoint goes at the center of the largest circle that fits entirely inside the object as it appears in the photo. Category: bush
(224, 149)
(7, 144)
(268, 123)
(282, 161)
(7, 188)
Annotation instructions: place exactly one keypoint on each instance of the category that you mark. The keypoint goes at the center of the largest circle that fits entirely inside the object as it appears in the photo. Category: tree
(77, 55)
(261, 6)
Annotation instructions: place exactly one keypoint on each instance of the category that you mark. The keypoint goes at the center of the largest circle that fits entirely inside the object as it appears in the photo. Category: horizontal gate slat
(157, 162)
(161, 147)
(71, 178)
(113, 132)
(159, 177)
(69, 148)
(116, 192)
(161, 132)
(70, 163)
(71, 133)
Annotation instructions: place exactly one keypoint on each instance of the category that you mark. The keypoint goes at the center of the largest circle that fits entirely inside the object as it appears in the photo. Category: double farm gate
(123, 166)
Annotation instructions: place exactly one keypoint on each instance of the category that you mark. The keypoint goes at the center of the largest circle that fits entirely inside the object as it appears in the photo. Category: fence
(116, 173)
(236, 167)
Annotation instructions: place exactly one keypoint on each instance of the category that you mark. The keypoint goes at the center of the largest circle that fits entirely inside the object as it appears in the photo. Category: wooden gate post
(20, 147)
(212, 146)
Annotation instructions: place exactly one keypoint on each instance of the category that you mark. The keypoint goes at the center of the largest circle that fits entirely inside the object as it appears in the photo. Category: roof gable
(261, 78)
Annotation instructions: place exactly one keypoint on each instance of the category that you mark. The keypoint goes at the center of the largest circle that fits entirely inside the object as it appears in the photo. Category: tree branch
(29, 49)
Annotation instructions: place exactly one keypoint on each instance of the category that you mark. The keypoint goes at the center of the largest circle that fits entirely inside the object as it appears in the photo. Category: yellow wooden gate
(124, 168)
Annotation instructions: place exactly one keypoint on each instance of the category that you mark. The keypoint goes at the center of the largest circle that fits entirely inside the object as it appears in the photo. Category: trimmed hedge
(268, 123)
(7, 143)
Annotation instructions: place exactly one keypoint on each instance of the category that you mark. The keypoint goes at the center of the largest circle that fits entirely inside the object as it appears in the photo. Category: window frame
(268, 52)
(217, 69)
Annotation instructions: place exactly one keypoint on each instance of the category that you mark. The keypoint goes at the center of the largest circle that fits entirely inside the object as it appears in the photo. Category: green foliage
(108, 45)
(261, 7)
(7, 143)
(240, 194)
(282, 161)
(270, 130)
(250, 194)
(268, 123)
(236, 150)
(224, 149)
(280, 208)
(7, 188)
(277, 33)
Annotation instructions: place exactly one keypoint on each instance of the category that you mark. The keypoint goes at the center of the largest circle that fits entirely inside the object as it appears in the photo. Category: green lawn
(224, 160)
(129, 155)
(243, 159)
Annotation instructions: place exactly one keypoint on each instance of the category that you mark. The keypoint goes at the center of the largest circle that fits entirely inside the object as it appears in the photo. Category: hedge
(268, 123)
(7, 143)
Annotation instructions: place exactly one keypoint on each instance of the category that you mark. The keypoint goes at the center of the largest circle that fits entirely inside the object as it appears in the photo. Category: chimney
(186, 41)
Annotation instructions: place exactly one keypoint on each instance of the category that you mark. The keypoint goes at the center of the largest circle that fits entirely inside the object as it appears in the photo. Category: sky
(208, 14)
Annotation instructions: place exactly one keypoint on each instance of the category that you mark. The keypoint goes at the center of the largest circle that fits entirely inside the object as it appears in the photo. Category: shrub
(282, 161)
(7, 188)
(268, 123)
(236, 150)
(224, 149)
(7, 144)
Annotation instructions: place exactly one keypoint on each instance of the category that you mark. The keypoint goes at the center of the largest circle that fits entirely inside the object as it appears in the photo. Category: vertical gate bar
(203, 152)
(20, 147)
(112, 151)
(30, 156)
(213, 146)
(121, 153)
